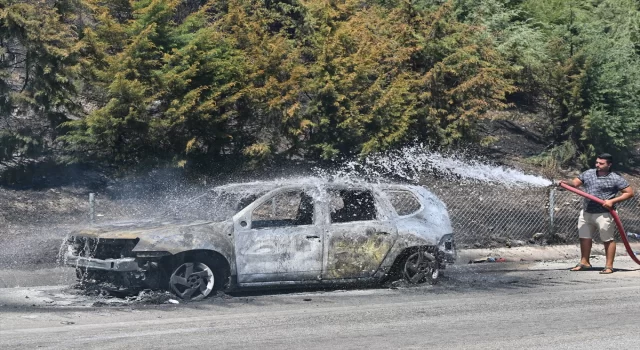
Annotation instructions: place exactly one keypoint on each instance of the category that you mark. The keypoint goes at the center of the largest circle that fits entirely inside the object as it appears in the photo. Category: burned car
(274, 234)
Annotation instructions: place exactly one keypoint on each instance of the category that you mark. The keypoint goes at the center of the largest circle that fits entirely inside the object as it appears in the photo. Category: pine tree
(593, 74)
(38, 70)
(126, 52)
(386, 75)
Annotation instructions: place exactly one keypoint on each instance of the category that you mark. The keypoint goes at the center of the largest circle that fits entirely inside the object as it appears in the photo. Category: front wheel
(193, 280)
(421, 267)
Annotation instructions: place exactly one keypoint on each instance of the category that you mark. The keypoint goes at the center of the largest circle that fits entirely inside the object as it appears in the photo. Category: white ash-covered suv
(274, 234)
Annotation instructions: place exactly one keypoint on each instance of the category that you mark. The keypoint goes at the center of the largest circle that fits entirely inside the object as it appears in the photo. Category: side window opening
(404, 202)
(245, 201)
(292, 208)
(352, 205)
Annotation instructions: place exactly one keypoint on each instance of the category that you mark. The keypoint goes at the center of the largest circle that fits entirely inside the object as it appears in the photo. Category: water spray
(614, 214)
(412, 163)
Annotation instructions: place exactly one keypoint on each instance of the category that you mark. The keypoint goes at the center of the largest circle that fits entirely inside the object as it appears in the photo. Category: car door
(276, 239)
(358, 235)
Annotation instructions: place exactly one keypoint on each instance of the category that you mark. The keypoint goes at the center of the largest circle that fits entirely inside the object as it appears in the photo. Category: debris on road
(487, 259)
(515, 243)
(148, 296)
(98, 289)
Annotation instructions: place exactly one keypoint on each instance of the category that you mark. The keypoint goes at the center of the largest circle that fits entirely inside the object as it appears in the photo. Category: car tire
(195, 278)
(421, 267)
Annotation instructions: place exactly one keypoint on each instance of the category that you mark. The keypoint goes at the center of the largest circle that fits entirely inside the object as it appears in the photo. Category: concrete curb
(537, 253)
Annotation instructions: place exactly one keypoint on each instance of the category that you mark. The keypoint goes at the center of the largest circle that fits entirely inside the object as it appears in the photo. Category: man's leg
(585, 250)
(610, 250)
(585, 232)
(607, 235)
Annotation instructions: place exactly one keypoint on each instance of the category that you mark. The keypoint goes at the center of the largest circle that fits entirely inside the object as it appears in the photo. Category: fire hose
(614, 214)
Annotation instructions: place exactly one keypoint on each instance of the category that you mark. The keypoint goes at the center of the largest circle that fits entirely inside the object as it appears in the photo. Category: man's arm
(627, 193)
(573, 183)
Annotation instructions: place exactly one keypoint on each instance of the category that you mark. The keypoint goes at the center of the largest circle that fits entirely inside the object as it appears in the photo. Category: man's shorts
(603, 222)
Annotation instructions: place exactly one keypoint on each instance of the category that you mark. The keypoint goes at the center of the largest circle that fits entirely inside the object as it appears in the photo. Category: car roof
(307, 182)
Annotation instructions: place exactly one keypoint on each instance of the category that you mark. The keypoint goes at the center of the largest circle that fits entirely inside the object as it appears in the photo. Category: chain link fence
(494, 215)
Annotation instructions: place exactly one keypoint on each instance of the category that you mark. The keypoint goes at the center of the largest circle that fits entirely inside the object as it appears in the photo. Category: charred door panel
(356, 250)
(357, 240)
(280, 241)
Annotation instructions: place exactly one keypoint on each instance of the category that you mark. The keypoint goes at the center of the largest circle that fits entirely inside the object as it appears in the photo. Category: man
(600, 182)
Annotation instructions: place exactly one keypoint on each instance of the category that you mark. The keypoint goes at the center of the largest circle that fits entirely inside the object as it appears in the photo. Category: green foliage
(12, 144)
(558, 156)
(382, 76)
(595, 75)
(576, 62)
(38, 68)
(519, 39)
(197, 82)
(613, 74)
(317, 79)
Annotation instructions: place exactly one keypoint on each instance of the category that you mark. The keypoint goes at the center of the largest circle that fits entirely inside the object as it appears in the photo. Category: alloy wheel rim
(192, 281)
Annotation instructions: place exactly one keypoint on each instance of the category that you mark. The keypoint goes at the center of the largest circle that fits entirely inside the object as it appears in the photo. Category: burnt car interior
(350, 205)
(284, 209)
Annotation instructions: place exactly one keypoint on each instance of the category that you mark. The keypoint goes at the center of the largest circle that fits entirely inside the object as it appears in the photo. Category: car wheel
(194, 279)
(421, 267)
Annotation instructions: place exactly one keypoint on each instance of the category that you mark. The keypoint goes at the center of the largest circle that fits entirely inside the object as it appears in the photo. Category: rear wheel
(421, 267)
(195, 279)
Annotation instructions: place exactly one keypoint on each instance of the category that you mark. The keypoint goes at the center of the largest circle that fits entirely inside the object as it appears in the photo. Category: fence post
(552, 211)
(92, 207)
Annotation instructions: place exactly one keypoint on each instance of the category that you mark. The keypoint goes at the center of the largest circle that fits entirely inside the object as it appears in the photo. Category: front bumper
(117, 265)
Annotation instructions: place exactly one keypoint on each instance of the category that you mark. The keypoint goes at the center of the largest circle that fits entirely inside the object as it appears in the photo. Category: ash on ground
(110, 294)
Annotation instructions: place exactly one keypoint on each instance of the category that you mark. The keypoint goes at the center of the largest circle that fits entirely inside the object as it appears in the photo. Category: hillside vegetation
(200, 84)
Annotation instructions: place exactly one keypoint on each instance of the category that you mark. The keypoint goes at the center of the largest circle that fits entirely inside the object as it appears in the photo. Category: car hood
(168, 236)
(138, 228)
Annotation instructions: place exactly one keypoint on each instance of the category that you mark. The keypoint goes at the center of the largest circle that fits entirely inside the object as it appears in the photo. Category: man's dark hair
(607, 157)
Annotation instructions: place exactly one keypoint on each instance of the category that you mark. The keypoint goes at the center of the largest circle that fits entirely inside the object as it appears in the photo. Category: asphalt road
(480, 306)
